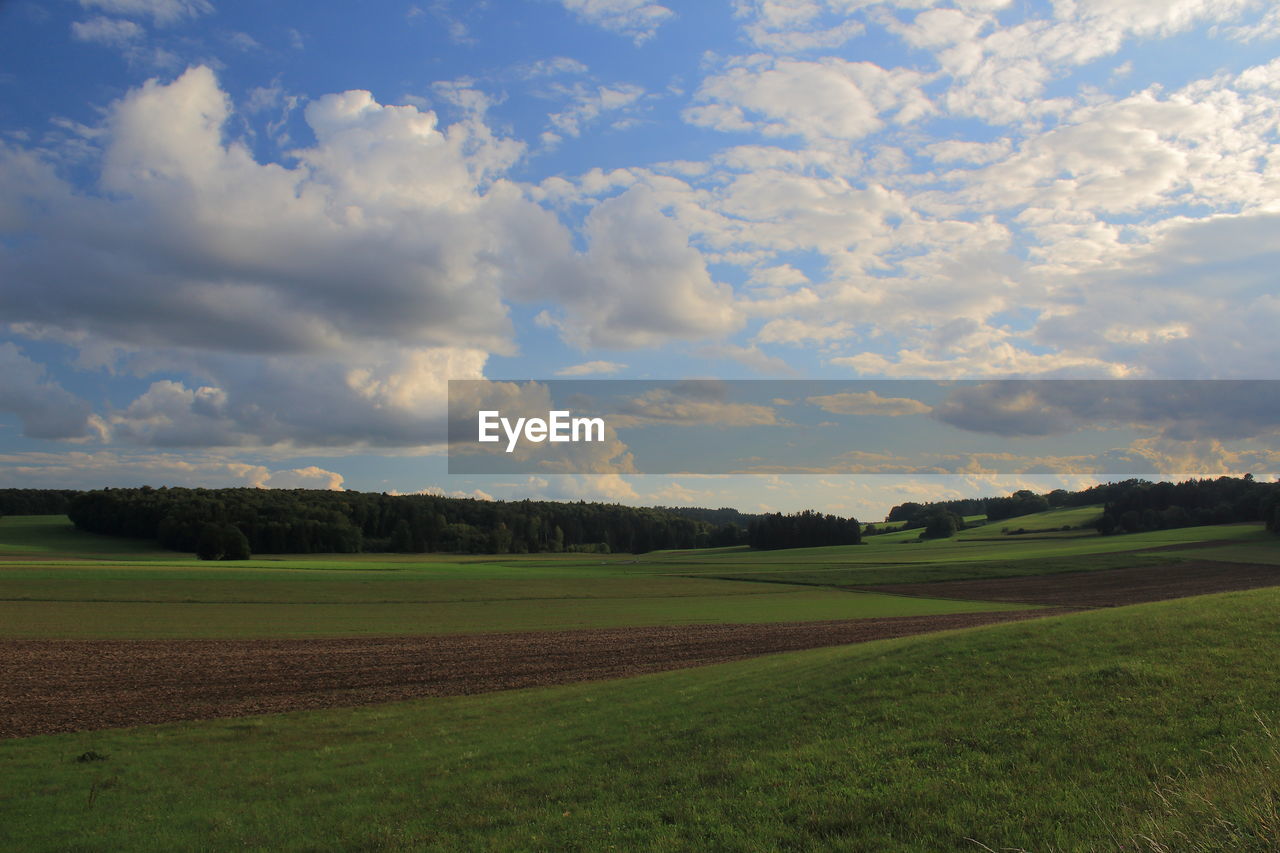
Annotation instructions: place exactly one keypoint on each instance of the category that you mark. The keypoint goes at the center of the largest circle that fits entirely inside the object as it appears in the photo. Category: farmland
(144, 592)
(1145, 726)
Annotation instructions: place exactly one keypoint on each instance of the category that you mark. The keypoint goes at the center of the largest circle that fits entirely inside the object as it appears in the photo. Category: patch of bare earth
(1109, 588)
(51, 686)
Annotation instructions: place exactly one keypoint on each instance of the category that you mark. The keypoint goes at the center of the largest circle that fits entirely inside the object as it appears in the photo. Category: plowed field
(1110, 588)
(62, 685)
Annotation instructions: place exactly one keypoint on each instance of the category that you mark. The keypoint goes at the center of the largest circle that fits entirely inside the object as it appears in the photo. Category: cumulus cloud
(1177, 410)
(591, 368)
(45, 408)
(380, 398)
(821, 100)
(1197, 302)
(640, 283)
(113, 32)
(868, 403)
(380, 233)
(321, 303)
(552, 67)
(588, 103)
(638, 19)
(792, 26)
(75, 469)
(694, 403)
(160, 11)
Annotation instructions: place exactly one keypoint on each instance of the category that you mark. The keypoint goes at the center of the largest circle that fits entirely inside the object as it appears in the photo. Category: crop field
(718, 699)
(159, 595)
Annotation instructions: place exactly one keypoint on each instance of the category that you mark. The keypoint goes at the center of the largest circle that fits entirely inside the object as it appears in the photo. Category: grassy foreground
(1140, 728)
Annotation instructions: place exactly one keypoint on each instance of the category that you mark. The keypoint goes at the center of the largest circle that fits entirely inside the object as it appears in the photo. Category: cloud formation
(638, 19)
(868, 403)
(45, 409)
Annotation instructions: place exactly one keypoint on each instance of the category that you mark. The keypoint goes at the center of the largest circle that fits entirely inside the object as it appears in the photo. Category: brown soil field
(1109, 588)
(54, 686)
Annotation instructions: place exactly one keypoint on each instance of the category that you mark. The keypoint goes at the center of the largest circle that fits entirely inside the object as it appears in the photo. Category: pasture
(1142, 727)
(1091, 731)
(140, 593)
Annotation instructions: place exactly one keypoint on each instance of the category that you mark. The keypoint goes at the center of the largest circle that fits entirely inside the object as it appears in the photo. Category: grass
(151, 620)
(874, 551)
(57, 588)
(1133, 728)
(166, 595)
(862, 575)
(45, 535)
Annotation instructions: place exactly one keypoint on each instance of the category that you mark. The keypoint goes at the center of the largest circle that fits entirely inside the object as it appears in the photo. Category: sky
(251, 243)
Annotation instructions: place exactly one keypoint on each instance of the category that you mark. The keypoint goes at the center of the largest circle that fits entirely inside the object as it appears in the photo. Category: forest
(302, 521)
(234, 523)
(1129, 506)
(237, 522)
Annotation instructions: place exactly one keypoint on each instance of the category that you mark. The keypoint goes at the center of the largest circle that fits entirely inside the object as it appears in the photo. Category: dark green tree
(235, 545)
(942, 525)
(210, 545)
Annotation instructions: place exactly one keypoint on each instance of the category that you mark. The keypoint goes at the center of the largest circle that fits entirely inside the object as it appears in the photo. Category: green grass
(140, 620)
(861, 575)
(46, 535)
(172, 596)
(54, 590)
(1013, 556)
(1042, 523)
(877, 552)
(1085, 732)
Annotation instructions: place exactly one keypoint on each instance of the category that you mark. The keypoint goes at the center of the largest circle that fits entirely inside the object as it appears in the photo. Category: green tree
(210, 544)
(942, 525)
(235, 545)
(401, 537)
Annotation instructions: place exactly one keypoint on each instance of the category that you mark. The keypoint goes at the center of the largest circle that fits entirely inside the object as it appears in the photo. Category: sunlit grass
(1087, 732)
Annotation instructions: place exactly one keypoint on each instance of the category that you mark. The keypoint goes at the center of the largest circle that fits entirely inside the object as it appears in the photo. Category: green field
(1088, 732)
(148, 593)
(1145, 728)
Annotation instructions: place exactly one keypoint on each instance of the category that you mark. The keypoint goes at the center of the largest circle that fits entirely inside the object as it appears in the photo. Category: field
(1135, 726)
(142, 592)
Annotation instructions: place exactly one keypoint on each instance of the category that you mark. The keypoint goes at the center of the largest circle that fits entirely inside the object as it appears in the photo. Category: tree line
(301, 521)
(1129, 506)
(803, 530)
(35, 501)
(1134, 506)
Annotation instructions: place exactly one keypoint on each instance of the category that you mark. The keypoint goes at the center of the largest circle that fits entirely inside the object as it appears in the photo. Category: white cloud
(91, 470)
(638, 19)
(199, 246)
(690, 405)
(591, 368)
(381, 397)
(46, 409)
(160, 11)
(868, 403)
(1268, 27)
(1196, 303)
(589, 103)
(640, 283)
(328, 299)
(552, 67)
(830, 99)
(797, 332)
(113, 32)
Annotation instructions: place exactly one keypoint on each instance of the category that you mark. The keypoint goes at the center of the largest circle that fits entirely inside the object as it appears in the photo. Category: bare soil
(1108, 588)
(50, 686)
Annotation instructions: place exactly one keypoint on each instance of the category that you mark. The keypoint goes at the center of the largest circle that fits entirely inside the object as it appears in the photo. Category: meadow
(1120, 729)
(141, 592)
(1147, 727)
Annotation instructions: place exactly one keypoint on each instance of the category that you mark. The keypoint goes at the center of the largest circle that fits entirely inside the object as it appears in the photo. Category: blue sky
(250, 243)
